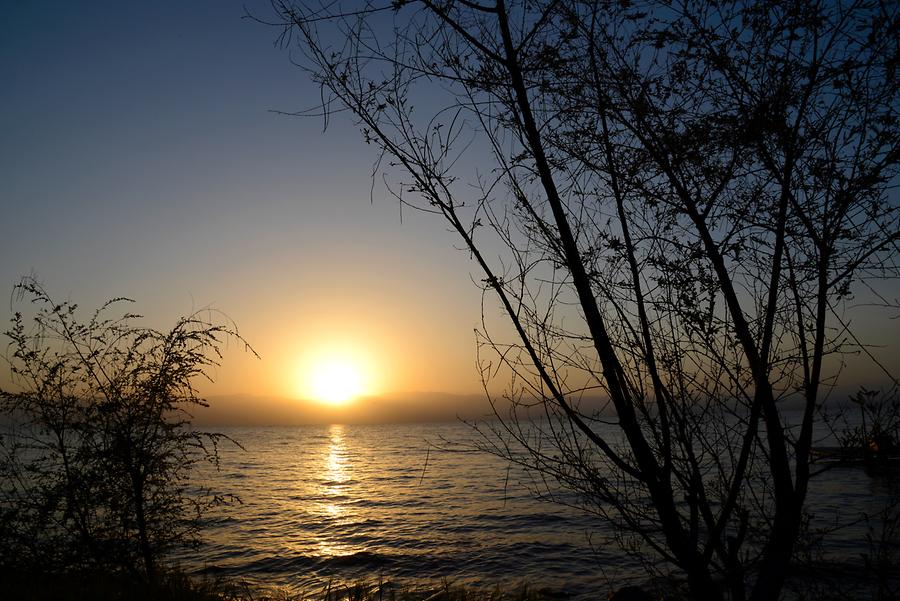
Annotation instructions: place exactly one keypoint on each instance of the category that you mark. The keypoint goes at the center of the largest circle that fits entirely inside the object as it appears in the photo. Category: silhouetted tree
(97, 444)
(673, 202)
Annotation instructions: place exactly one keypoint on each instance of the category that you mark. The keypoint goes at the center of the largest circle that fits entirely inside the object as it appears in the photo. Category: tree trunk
(141, 519)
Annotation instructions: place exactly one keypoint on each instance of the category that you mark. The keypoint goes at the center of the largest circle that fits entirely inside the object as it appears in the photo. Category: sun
(335, 379)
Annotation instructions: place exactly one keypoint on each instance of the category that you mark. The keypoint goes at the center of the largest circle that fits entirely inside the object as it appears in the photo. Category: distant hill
(407, 407)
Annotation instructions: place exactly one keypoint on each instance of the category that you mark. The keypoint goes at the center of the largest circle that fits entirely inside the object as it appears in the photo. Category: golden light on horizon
(336, 378)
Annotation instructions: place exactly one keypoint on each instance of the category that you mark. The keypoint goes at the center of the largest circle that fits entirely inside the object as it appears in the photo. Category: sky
(142, 156)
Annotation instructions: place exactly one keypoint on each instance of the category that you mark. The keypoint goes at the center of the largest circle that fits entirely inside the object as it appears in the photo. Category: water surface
(337, 503)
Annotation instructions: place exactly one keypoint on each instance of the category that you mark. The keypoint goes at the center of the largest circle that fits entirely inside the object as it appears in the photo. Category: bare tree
(674, 203)
(97, 448)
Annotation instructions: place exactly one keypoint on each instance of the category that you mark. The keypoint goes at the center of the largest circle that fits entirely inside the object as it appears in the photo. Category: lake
(331, 504)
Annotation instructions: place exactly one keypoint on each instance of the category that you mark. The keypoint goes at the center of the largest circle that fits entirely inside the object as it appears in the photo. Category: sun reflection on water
(337, 465)
(335, 479)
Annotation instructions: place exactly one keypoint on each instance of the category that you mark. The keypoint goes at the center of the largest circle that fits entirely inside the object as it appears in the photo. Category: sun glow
(335, 379)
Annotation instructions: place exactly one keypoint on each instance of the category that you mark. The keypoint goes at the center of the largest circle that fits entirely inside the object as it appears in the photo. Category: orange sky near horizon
(383, 313)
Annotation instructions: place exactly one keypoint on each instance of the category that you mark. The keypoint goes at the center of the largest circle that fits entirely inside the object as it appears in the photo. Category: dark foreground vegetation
(96, 448)
(105, 586)
(175, 586)
(824, 583)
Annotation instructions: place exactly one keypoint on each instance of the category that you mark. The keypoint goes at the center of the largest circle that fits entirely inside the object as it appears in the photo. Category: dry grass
(388, 591)
(175, 586)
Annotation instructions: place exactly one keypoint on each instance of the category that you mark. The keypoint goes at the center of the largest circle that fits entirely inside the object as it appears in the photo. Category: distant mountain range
(407, 407)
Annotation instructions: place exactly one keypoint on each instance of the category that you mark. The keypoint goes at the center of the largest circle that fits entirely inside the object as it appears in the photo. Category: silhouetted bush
(97, 448)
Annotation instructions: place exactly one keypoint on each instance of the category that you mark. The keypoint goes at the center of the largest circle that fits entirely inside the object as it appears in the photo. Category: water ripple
(334, 503)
